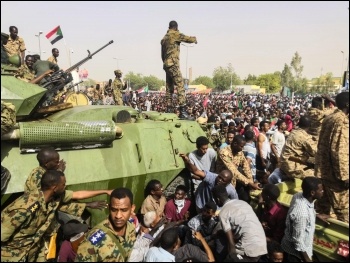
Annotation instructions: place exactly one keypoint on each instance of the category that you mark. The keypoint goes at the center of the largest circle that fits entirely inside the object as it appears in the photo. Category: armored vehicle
(105, 147)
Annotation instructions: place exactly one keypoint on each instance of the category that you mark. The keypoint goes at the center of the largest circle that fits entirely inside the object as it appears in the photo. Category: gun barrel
(87, 58)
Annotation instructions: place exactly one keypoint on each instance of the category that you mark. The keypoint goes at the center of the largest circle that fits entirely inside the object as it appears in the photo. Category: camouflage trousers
(118, 98)
(337, 202)
(174, 81)
(296, 170)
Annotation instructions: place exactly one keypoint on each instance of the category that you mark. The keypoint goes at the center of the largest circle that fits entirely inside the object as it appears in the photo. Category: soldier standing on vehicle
(15, 45)
(332, 160)
(171, 64)
(26, 72)
(55, 54)
(117, 86)
(113, 238)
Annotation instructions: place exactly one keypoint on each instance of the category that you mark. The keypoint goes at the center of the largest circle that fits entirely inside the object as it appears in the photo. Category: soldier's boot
(184, 115)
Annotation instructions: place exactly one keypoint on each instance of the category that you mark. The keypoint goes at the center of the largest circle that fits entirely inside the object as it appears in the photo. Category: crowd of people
(252, 143)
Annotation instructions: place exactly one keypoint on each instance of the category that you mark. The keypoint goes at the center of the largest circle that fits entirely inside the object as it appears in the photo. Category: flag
(54, 35)
(145, 89)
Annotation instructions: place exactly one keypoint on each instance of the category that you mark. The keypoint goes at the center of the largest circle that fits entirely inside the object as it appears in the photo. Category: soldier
(15, 45)
(317, 113)
(55, 54)
(117, 87)
(171, 64)
(332, 160)
(299, 145)
(8, 120)
(232, 158)
(113, 238)
(42, 69)
(26, 72)
(49, 159)
(24, 221)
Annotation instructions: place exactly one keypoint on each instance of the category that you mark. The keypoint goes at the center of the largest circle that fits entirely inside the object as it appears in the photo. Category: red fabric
(276, 221)
(289, 122)
(171, 212)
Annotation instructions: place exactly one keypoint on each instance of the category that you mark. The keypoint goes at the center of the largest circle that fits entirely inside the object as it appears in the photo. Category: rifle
(60, 78)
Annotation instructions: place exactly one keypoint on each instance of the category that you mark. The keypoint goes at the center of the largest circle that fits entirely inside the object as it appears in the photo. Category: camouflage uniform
(317, 116)
(23, 224)
(52, 59)
(227, 161)
(117, 86)
(14, 47)
(8, 117)
(99, 246)
(171, 64)
(33, 184)
(332, 163)
(24, 73)
(299, 144)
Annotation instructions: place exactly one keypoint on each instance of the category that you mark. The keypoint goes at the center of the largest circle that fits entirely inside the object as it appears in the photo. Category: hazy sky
(256, 37)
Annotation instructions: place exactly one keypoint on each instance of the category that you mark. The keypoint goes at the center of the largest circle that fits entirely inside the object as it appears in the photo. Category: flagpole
(68, 53)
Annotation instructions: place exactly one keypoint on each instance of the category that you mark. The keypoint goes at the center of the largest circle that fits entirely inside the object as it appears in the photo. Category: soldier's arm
(187, 39)
(230, 166)
(78, 195)
(310, 147)
(11, 221)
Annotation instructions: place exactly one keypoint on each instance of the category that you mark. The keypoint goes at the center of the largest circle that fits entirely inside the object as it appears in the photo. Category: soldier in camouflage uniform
(8, 117)
(117, 87)
(49, 159)
(300, 145)
(112, 239)
(24, 221)
(8, 120)
(26, 72)
(15, 45)
(171, 64)
(332, 160)
(232, 158)
(317, 113)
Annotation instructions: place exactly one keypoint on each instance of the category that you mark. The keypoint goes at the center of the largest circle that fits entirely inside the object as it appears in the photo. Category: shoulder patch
(33, 207)
(95, 238)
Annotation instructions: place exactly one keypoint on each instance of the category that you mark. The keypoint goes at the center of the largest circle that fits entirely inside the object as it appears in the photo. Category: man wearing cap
(171, 64)
(117, 87)
(113, 238)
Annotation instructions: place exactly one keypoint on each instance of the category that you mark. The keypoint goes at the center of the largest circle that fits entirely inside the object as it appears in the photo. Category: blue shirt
(158, 254)
(204, 194)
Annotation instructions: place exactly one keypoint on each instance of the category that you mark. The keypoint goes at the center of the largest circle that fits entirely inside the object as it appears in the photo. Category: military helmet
(15, 60)
(118, 71)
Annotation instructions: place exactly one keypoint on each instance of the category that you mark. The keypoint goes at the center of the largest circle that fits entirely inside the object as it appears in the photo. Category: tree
(88, 83)
(153, 82)
(206, 81)
(222, 78)
(250, 80)
(271, 82)
(286, 76)
(297, 83)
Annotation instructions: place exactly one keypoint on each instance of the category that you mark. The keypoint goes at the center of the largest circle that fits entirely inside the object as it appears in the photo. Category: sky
(255, 37)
